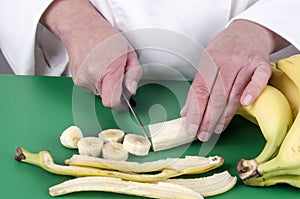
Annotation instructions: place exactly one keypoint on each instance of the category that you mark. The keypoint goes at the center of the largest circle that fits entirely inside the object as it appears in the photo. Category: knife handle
(129, 96)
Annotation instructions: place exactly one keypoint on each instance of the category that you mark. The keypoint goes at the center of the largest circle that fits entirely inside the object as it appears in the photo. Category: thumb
(258, 82)
(133, 73)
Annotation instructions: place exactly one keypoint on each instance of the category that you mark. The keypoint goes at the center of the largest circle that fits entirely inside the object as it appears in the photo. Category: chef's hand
(101, 59)
(233, 70)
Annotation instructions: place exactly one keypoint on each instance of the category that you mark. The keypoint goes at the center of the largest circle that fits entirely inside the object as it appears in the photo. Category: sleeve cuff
(278, 16)
(18, 25)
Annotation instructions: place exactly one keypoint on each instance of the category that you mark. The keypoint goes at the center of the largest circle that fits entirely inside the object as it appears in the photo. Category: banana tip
(19, 154)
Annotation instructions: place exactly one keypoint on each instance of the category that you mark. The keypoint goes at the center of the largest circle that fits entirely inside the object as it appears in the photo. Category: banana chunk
(170, 134)
(114, 151)
(112, 135)
(136, 144)
(70, 137)
(90, 146)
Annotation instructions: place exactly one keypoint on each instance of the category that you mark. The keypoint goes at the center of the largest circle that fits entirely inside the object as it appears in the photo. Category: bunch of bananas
(276, 113)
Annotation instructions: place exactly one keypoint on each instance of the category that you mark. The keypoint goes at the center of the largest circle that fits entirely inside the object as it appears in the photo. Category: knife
(130, 102)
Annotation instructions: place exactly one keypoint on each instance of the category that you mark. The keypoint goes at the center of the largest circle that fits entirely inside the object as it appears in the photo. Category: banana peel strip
(207, 186)
(187, 165)
(181, 188)
(116, 185)
(126, 166)
(150, 185)
(44, 160)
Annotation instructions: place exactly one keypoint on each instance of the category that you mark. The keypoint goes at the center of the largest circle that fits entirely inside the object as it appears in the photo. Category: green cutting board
(35, 110)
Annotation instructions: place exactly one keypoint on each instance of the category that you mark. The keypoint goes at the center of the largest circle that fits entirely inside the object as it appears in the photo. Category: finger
(133, 73)
(213, 119)
(215, 107)
(258, 82)
(233, 102)
(196, 104)
(199, 93)
(112, 84)
(183, 111)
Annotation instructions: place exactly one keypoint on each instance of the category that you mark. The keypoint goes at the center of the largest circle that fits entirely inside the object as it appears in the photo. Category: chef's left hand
(233, 70)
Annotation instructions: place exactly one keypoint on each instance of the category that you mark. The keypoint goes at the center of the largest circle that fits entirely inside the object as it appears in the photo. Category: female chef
(109, 43)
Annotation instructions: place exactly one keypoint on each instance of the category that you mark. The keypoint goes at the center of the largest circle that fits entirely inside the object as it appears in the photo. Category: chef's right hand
(105, 68)
(101, 59)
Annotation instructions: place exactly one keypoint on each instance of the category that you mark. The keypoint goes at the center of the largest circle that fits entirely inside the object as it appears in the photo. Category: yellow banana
(285, 166)
(288, 156)
(283, 83)
(272, 112)
(293, 180)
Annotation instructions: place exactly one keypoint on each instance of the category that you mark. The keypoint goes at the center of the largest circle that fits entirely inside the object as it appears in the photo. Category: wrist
(69, 20)
(268, 40)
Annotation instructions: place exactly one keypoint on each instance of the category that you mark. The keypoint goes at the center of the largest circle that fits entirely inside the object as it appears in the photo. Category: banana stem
(247, 169)
(250, 175)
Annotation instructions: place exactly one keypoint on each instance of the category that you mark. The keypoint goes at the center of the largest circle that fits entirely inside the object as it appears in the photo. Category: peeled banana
(285, 166)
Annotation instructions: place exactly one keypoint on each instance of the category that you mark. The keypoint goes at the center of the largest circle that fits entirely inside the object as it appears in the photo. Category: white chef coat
(26, 44)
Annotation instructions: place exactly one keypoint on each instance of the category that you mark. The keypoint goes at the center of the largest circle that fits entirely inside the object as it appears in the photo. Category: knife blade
(128, 100)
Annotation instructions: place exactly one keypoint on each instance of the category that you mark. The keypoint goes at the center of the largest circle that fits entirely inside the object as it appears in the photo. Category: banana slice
(90, 146)
(112, 135)
(136, 144)
(114, 151)
(70, 137)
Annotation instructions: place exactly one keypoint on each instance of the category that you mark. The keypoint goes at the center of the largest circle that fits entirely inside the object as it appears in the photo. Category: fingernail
(182, 112)
(133, 87)
(203, 136)
(247, 100)
(193, 128)
(219, 128)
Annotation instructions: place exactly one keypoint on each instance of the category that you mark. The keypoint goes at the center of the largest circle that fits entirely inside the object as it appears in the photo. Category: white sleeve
(19, 23)
(282, 17)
